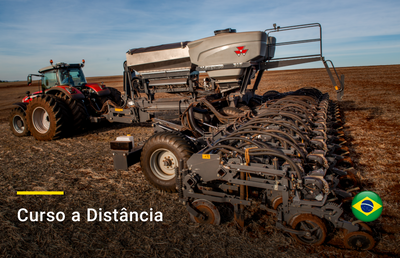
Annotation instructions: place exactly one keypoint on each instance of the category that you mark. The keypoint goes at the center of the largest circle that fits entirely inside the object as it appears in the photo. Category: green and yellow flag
(367, 206)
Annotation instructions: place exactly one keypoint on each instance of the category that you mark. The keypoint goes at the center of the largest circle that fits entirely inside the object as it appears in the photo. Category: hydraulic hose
(193, 123)
(276, 136)
(259, 152)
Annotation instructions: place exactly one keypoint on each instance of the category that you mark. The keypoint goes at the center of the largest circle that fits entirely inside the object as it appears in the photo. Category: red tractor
(65, 103)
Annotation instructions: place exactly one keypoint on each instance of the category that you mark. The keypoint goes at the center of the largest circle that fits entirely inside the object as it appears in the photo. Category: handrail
(297, 27)
(294, 60)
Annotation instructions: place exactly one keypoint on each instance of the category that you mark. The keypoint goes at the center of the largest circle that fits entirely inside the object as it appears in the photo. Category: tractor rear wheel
(77, 110)
(161, 155)
(47, 118)
(17, 121)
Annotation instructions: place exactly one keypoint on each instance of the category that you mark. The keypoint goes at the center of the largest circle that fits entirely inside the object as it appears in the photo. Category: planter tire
(161, 155)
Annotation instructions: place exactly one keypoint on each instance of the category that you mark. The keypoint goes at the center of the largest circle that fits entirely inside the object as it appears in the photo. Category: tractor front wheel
(17, 121)
(47, 118)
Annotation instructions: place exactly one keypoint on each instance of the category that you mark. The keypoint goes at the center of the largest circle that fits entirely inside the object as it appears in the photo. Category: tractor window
(72, 76)
(49, 80)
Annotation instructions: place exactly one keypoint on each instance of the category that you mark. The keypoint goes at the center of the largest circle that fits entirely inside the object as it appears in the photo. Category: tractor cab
(69, 79)
(62, 74)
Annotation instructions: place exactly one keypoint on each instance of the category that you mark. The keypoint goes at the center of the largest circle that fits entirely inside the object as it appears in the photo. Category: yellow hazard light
(83, 61)
(336, 88)
(51, 61)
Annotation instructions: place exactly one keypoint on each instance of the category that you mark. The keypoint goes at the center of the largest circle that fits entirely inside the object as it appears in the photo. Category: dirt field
(82, 166)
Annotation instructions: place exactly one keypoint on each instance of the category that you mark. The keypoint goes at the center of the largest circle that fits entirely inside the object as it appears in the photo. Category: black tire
(115, 95)
(17, 121)
(160, 156)
(47, 118)
(77, 111)
(254, 103)
(271, 94)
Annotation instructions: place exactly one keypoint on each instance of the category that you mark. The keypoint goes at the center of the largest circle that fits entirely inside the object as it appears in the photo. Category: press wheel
(208, 210)
(315, 228)
(359, 240)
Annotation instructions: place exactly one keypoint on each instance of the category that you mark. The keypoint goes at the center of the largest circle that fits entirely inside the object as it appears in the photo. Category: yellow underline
(40, 192)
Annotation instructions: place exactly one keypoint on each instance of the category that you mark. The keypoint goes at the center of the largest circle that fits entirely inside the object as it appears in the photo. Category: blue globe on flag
(367, 206)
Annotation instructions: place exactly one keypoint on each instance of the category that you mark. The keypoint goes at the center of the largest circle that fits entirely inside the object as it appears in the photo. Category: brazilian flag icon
(367, 206)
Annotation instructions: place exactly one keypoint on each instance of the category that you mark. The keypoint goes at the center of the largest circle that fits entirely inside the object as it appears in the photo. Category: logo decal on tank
(241, 51)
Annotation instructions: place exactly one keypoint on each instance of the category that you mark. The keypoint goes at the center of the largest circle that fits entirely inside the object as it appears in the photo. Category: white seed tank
(210, 54)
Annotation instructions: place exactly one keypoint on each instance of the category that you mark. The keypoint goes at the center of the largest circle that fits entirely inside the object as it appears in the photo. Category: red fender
(99, 89)
(72, 92)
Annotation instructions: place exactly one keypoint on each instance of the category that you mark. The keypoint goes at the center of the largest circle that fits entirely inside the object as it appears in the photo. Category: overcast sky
(355, 32)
